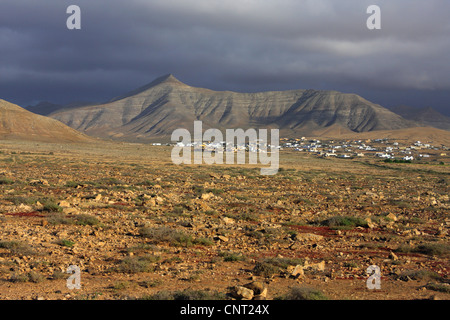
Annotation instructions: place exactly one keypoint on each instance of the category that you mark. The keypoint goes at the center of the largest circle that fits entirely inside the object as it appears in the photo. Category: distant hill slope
(424, 116)
(18, 123)
(45, 108)
(166, 104)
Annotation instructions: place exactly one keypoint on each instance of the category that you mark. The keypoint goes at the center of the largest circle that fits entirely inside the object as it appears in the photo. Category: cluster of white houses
(379, 148)
(223, 146)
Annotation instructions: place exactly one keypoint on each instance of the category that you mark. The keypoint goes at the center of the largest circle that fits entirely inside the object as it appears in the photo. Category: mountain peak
(166, 79)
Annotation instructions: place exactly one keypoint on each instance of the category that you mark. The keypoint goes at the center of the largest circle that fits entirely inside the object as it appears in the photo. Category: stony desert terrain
(140, 227)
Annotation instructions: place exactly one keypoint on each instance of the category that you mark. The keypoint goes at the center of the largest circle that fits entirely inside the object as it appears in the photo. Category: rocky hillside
(166, 104)
(18, 123)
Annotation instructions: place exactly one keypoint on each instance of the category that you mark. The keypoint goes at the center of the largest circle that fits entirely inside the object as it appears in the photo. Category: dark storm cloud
(242, 45)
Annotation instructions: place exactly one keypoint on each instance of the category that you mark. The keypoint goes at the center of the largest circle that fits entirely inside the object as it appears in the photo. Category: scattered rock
(315, 266)
(150, 202)
(64, 204)
(392, 216)
(259, 289)
(222, 238)
(70, 211)
(297, 271)
(206, 196)
(392, 256)
(308, 237)
(39, 182)
(228, 221)
(242, 293)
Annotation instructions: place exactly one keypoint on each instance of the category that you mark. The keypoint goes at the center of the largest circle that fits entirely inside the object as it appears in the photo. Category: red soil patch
(25, 214)
(323, 231)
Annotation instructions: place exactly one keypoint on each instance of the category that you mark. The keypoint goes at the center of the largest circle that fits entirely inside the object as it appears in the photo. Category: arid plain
(140, 227)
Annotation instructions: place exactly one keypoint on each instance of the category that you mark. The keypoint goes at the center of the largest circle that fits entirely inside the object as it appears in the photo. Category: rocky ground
(140, 227)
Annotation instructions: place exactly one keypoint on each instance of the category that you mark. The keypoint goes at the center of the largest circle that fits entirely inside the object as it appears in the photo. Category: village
(389, 150)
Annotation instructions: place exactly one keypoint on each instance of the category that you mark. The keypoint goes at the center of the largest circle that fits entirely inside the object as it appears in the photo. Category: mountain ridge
(166, 104)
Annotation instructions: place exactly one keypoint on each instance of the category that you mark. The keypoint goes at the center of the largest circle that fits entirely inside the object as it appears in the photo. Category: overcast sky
(240, 45)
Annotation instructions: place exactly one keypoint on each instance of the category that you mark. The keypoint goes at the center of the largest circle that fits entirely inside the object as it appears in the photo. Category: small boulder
(242, 293)
(259, 290)
(308, 237)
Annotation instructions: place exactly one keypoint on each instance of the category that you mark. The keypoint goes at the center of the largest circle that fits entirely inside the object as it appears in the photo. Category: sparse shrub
(160, 295)
(196, 276)
(265, 269)
(50, 205)
(416, 220)
(58, 218)
(72, 184)
(441, 287)
(351, 265)
(35, 277)
(248, 217)
(18, 277)
(255, 234)
(432, 249)
(341, 222)
(86, 220)
(172, 259)
(400, 204)
(6, 181)
(58, 275)
(303, 201)
(284, 262)
(165, 234)
(110, 181)
(136, 264)
(198, 190)
(66, 243)
(142, 247)
(231, 256)
(150, 283)
(178, 210)
(214, 191)
(17, 247)
(17, 200)
(304, 293)
(146, 183)
(419, 275)
(122, 285)
(396, 161)
(187, 294)
(31, 276)
(204, 241)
